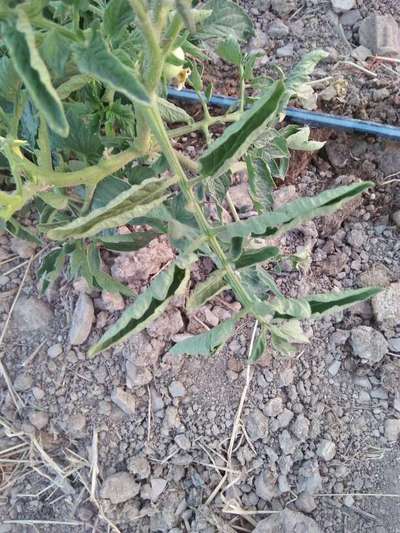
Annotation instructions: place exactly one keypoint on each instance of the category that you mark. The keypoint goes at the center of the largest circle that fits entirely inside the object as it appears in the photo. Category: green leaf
(9, 80)
(259, 346)
(300, 141)
(29, 65)
(55, 51)
(229, 51)
(195, 77)
(227, 18)
(75, 83)
(301, 72)
(206, 290)
(128, 243)
(324, 304)
(107, 190)
(290, 331)
(117, 15)
(294, 213)
(135, 202)
(96, 59)
(147, 306)
(205, 343)
(14, 228)
(55, 199)
(50, 268)
(252, 257)
(172, 113)
(237, 138)
(103, 280)
(261, 184)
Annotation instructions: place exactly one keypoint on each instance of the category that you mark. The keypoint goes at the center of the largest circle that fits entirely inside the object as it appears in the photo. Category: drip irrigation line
(300, 116)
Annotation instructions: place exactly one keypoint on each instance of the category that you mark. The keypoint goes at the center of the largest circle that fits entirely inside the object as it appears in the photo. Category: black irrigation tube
(300, 116)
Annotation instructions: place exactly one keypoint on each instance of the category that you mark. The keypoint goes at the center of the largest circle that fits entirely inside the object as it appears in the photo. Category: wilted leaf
(128, 243)
(101, 279)
(205, 343)
(237, 138)
(206, 290)
(147, 306)
(51, 267)
(300, 141)
(29, 65)
(258, 347)
(324, 304)
(294, 213)
(252, 257)
(135, 202)
(290, 331)
(261, 184)
(15, 228)
(96, 59)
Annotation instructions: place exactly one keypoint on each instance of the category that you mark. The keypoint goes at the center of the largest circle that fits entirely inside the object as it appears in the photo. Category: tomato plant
(86, 141)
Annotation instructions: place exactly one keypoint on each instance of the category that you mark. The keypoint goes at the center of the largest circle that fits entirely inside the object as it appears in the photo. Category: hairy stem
(205, 122)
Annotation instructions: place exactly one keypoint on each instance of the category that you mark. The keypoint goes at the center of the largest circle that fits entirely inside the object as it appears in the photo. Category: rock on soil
(368, 344)
(124, 400)
(288, 521)
(392, 429)
(326, 450)
(38, 419)
(119, 488)
(31, 314)
(23, 249)
(341, 6)
(380, 33)
(386, 306)
(256, 425)
(82, 320)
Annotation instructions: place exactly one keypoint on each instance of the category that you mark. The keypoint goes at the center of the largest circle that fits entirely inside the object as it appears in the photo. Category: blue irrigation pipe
(300, 116)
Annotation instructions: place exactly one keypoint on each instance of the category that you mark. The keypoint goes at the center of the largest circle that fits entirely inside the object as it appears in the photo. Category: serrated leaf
(261, 184)
(147, 306)
(253, 257)
(55, 51)
(108, 189)
(227, 18)
(128, 243)
(237, 138)
(20, 41)
(50, 268)
(171, 113)
(96, 59)
(300, 141)
(205, 343)
(9, 80)
(206, 290)
(229, 51)
(135, 202)
(294, 213)
(324, 304)
(117, 15)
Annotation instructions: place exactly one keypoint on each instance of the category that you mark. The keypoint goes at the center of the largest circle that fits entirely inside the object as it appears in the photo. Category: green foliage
(87, 144)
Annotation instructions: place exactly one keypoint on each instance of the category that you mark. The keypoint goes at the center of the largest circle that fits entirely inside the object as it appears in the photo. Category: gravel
(326, 450)
(124, 400)
(287, 521)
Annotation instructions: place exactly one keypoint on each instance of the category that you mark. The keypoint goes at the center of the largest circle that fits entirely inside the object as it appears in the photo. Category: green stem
(86, 176)
(171, 35)
(200, 124)
(242, 89)
(47, 24)
(159, 131)
(232, 207)
(153, 63)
